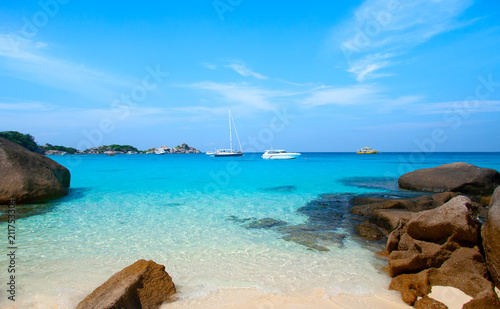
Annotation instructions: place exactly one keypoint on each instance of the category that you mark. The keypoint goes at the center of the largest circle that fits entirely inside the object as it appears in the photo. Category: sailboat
(230, 152)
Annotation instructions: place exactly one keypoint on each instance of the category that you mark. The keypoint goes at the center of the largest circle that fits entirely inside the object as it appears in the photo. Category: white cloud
(241, 68)
(380, 30)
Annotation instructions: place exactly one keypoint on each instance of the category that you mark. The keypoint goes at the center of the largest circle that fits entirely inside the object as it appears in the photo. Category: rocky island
(28, 142)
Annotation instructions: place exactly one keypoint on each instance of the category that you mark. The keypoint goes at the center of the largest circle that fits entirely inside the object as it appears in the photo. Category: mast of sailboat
(230, 135)
(234, 125)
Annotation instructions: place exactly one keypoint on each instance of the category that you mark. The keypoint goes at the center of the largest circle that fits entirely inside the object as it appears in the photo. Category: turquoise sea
(190, 212)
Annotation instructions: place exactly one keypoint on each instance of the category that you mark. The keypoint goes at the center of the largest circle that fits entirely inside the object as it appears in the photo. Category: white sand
(247, 298)
(451, 297)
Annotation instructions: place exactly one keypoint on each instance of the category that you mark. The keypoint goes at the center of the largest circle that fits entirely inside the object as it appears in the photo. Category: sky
(324, 76)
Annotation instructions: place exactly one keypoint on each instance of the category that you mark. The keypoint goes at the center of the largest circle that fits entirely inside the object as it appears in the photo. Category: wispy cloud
(381, 30)
(26, 106)
(461, 107)
(240, 94)
(241, 68)
(342, 96)
(209, 66)
(29, 60)
(371, 96)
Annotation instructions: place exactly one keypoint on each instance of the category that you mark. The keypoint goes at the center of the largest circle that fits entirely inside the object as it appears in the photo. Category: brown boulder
(443, 197)
(429, 303)
(489, 302)
(456, 177)
(491, 239)
(29, 177)
(452, 219)
(464, 270)
(143, 284)
(418, 256)
(411, 286)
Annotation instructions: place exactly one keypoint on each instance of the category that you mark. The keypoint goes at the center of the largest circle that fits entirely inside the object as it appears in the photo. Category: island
(28, 142)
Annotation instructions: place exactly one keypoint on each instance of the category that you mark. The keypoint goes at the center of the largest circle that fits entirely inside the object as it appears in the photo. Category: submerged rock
(29, 177)
(325, 215)
(369, 231)
(281, 189)
(143, 284)
(457, 177)
(265, 223)
(313, 239)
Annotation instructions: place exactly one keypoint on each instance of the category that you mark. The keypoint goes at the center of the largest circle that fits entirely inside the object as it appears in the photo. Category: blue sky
(321, 76)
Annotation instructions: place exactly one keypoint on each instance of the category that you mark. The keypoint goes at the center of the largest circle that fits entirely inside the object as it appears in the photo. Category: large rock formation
(29, 177)
(143, 284)
(491, 238)
(456, 177)
(440, 247)
(387, 213)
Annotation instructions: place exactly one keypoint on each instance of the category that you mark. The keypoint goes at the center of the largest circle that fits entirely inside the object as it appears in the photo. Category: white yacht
(229, 152)
(279, 155)
(160, 151)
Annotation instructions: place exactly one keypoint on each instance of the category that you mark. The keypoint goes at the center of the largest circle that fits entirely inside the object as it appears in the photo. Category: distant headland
(28, 141)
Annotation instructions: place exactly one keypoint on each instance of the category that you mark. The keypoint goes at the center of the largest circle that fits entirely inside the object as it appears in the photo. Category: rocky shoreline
(449, 238)
(445, 239)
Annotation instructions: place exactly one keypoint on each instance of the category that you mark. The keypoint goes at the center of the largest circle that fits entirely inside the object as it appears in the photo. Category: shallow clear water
(174, 209)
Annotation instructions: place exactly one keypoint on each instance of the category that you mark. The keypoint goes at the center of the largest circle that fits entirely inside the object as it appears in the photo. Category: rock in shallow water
(369, 231)
(265, 223)
(29, 177)
(143, 284)
(281, 189)
(325, 216)
(457, 177)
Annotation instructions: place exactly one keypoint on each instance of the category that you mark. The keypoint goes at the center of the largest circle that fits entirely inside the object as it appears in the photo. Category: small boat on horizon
(160, 151)
(367, 150)
(229, 152)
(280, 155)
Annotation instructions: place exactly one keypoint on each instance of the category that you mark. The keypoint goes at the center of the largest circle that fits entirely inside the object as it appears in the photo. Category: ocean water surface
(192, 213)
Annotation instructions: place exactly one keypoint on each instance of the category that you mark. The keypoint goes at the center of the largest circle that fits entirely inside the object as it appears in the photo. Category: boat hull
(280, 156)
(235, 154)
